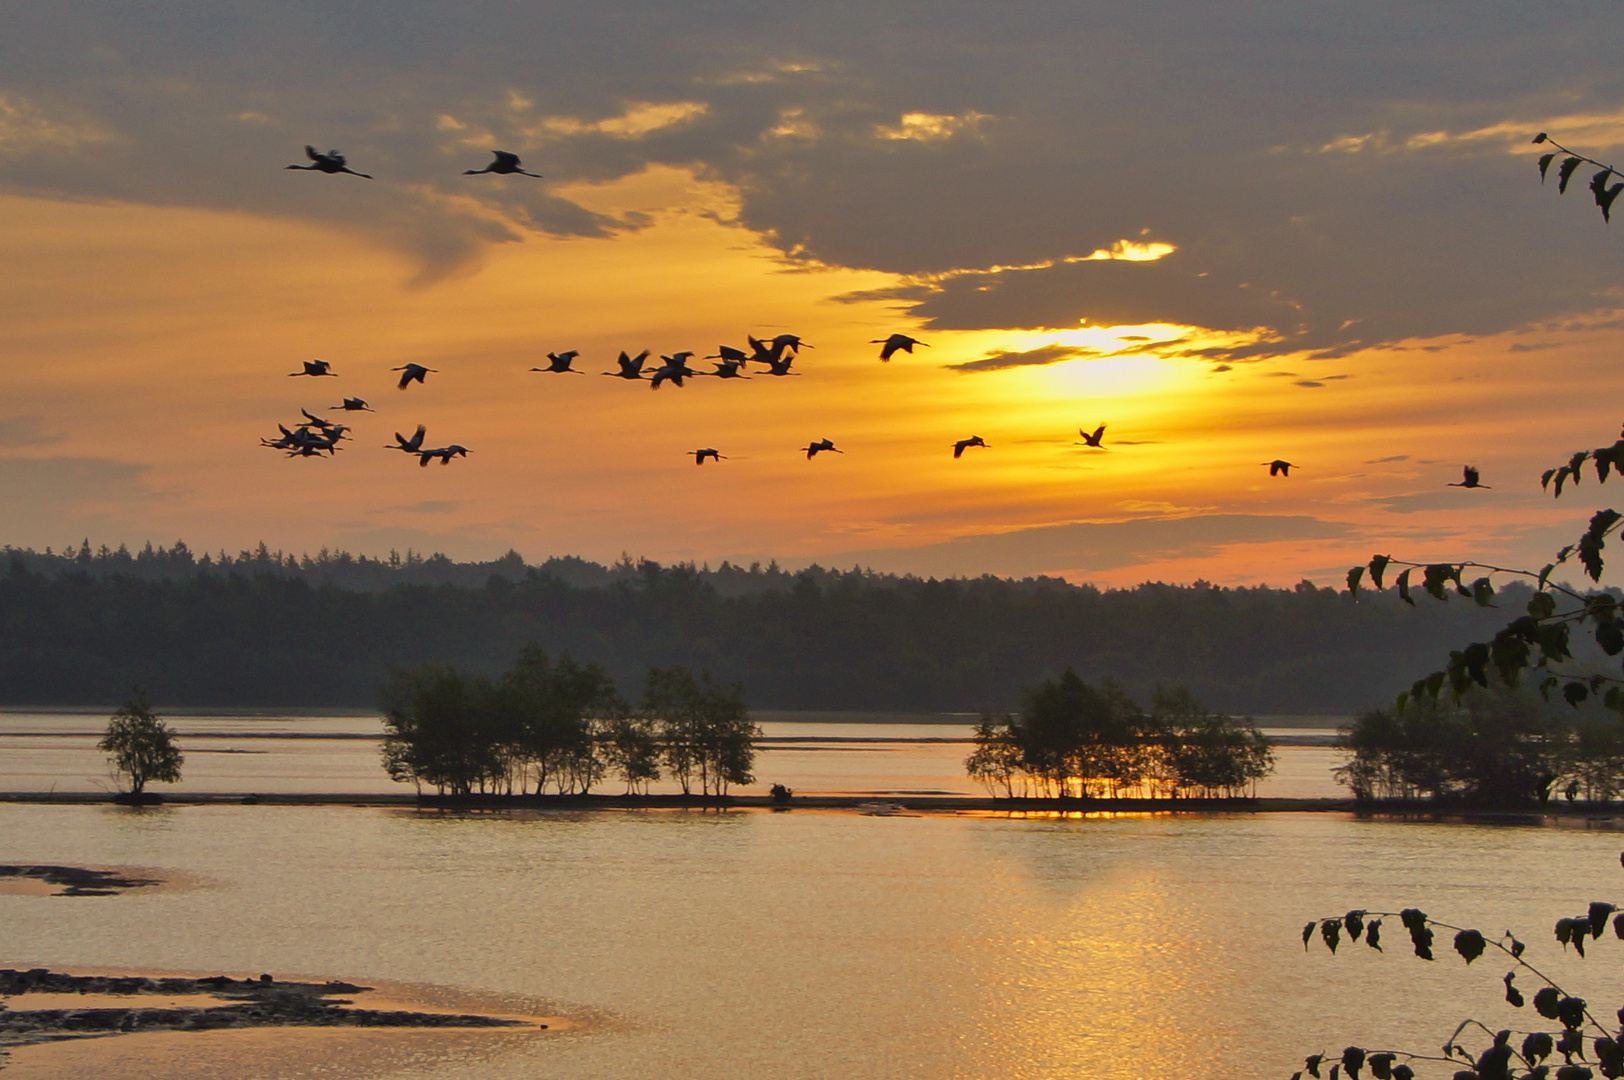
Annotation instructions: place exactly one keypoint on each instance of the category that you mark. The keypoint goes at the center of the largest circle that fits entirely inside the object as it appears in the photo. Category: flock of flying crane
(316, 436)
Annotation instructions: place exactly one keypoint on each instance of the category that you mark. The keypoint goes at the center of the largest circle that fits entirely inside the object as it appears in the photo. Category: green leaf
(1605, 195)
(1564, 173)
(1435, 576)
(1381, 1065)
(1614, 700)
(1483, 592)
(1403, 1072)
(1312, 1062)
(1605, 459)
(1610, 637)
(1571, 1011)
(1541, 137)
(1354, 576)
(1470, 944)
(1599, 910)
(1594, 539)
(1353, 1059)
(1331, 931)
(1545, 165)
(1574, 693)
(1404, 588)
(1542, 605)
(1373, 934)
(1545, 479)
(1378, 567)
(1513, 995)
(1545, 999)
(1308, 935)
(1354, 923)
(1538, 1045)
(1562, 475)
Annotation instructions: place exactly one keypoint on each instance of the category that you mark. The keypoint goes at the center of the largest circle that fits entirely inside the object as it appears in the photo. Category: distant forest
(264, 629)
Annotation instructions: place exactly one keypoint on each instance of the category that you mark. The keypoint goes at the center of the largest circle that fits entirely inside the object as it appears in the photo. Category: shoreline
(873, 804)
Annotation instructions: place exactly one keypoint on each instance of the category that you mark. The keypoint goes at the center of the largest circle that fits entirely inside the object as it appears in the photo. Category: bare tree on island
(140, 746)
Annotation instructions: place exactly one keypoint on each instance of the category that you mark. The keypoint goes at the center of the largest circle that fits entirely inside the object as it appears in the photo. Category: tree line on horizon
(812, 640)
(557, 727)
(1075, 740)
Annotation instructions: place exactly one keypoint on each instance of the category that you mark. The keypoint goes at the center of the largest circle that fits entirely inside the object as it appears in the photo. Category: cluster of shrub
(1074, 740)
(561, 726)
(1495, 747)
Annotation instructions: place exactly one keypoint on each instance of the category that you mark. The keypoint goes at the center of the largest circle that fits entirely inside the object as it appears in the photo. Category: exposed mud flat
(55, 1024)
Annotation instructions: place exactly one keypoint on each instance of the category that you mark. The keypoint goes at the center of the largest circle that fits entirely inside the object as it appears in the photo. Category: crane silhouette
(1092, 440)
(561, 363)
(1469, 478)
(315, 367)
(504, 165)
(781, 366)
(412, 445)
(674, 370)
(728, 352)
(410, 372)
(790, 341)
(331, 162)
(631, 367)
(1278, 467)
(352, 404)
(814, 449)
(964, 444)
(897, 343)
(708, 452)
(444, 453)
(727, 369)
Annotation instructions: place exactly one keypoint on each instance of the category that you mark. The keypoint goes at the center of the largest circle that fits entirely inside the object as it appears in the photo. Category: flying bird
(727, 369)
(412, 445)
(561, 363)
(813, 449)
(1469, 478)
(963, 444)
(410, 372)
(352, 404)
(781, 366)
(708, 452)
(896, 342)
(631, 367)
(1278, 467)
(317, 421)
(790, 341)
(331, 162)
(675, 369)
(315, 367)
(504, 164)
(1092, 440)
(444, 453)
(728, 352)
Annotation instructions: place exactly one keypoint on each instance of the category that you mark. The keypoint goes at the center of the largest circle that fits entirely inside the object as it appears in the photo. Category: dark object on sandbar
(266, 978)
(781, 794)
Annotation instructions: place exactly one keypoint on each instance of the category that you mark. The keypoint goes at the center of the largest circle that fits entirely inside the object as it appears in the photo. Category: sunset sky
(1232, 232)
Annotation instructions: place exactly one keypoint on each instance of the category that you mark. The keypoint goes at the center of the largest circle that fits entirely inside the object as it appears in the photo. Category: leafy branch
(1571, 160)
(1542, 636)
(1494, 1062)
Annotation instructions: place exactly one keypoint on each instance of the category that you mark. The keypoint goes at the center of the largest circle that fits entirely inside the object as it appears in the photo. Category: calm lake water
(748, 945)
(44, 751)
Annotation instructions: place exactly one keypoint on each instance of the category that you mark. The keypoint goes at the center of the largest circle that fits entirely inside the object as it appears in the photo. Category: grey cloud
(1421, 501)
(17, 431)
(1388, 460)
(51, 500)
(1535, 347)
(1203, 124)
(1045, 354)
(1089, 547)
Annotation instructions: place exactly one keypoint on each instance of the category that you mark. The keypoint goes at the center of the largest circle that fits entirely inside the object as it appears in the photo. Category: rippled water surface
(802, 944)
